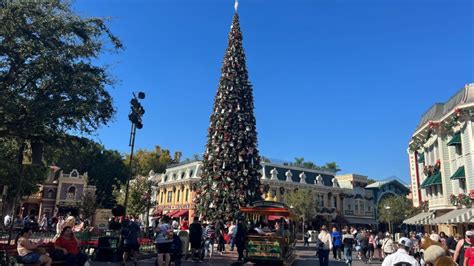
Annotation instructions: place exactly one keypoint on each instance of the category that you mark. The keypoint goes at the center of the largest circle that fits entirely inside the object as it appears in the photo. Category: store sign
(101, 218)
(264, 248)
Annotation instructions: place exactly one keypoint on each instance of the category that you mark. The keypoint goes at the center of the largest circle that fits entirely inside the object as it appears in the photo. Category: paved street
(304, 257)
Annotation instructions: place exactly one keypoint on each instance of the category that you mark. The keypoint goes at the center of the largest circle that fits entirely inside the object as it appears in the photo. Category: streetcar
(271, 236)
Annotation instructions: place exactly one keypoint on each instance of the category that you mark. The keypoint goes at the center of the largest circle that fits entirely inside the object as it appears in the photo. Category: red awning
(157, 213)
(180, 213)
(274, 217)
(171, 213)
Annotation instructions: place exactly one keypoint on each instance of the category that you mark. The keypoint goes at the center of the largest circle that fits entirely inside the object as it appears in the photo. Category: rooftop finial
(236, 5)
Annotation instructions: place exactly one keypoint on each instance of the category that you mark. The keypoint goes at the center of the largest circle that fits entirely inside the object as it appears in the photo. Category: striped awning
(457, 216)
(420, 218)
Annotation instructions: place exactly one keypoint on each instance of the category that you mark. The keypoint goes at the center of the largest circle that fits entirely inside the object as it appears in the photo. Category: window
(435, 190)
(458, 149)
(191, 173)
(356, 206)
(71, 193)
(335, 202)
(186, 195)
(170, 196)
(182, 175)
(174, 176)
(50, 194)
(349, 206)
(177, 196)
(166, 178)
(462, 185)
(274, 192)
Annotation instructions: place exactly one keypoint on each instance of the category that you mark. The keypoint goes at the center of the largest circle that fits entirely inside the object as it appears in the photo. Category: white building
(441, 155)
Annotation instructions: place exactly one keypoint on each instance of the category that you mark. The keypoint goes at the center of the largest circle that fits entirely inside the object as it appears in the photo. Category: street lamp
(387, 207)
(135, 116)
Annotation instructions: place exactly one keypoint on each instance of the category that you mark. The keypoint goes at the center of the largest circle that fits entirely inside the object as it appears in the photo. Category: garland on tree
(231, 163)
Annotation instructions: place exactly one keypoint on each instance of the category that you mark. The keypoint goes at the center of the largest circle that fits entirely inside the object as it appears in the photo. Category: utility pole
(135, 116)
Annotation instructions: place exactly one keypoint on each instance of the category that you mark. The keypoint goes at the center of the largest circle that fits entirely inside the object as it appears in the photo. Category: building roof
(439, 110)
(380, 183)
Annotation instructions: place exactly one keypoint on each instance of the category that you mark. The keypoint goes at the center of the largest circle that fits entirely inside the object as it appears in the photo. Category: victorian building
(441, 156)
(176, 189)
(60, 194)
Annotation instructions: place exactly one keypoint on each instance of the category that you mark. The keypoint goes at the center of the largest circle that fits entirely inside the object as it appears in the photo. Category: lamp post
(387, 207)
(135, 117)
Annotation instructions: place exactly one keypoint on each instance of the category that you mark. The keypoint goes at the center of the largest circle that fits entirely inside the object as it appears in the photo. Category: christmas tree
(230, 175)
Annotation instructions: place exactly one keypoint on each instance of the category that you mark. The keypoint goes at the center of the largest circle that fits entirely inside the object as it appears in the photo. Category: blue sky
(343, 81)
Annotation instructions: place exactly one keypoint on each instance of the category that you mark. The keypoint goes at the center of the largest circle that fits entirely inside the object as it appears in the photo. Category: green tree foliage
(300, 162)
(400, 209)
(49, 82)
(157, 160)
(105, 167)
(231, 163)
(88, 205)
(139, 199)
(10, 169)
(370, 181)
(303, 202)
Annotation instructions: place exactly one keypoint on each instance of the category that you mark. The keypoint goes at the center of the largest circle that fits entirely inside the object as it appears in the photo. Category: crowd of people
(66, 244)
(412, 249)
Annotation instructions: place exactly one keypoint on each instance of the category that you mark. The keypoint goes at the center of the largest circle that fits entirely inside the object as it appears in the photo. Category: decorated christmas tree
(231, 162)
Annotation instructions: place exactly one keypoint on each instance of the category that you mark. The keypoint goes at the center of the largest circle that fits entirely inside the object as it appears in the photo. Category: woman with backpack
(324, 244)
(387, 245)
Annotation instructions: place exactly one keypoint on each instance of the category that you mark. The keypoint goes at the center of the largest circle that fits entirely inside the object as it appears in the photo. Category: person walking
(387, 245)
(240, 237)
(371, 249)
(232, 231)
(336, 243)
(348, 243)
(469, 253)
(378, 246)
(306, 239)
(195, 236)
(220, 231)
(131, 246)
(324, 245)
(164, 237)
(461, 247)
(401, 257)
(364, 246)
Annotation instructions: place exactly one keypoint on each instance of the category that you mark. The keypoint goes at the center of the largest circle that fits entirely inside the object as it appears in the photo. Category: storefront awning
(420, 218)
(457, 216)
(460, 173)
(180, 213)
(171, 213)
(354, 220)
(436, 179)
(432, 180)
(456, 140)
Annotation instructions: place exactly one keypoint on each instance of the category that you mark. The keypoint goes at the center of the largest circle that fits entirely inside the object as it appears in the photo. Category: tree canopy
(302, 201)
(395, 209)
(157, 160)
(300, 162)
(139, 200)
(49, 83)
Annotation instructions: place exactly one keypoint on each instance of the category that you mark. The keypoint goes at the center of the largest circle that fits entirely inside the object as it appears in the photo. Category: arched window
(71, 193)
(50, 195)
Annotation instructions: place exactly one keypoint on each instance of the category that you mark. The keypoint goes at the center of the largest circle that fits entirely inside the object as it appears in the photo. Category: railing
(349, 212)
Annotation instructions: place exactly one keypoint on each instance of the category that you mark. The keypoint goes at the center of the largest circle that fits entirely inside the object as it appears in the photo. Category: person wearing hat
(401, 257)
(324, 244)
(461, 246)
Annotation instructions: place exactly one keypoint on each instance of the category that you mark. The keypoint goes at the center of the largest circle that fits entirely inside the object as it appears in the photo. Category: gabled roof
(380, 183)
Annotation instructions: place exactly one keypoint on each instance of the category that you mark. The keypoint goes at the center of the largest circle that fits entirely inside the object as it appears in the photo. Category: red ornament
(471, 194)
